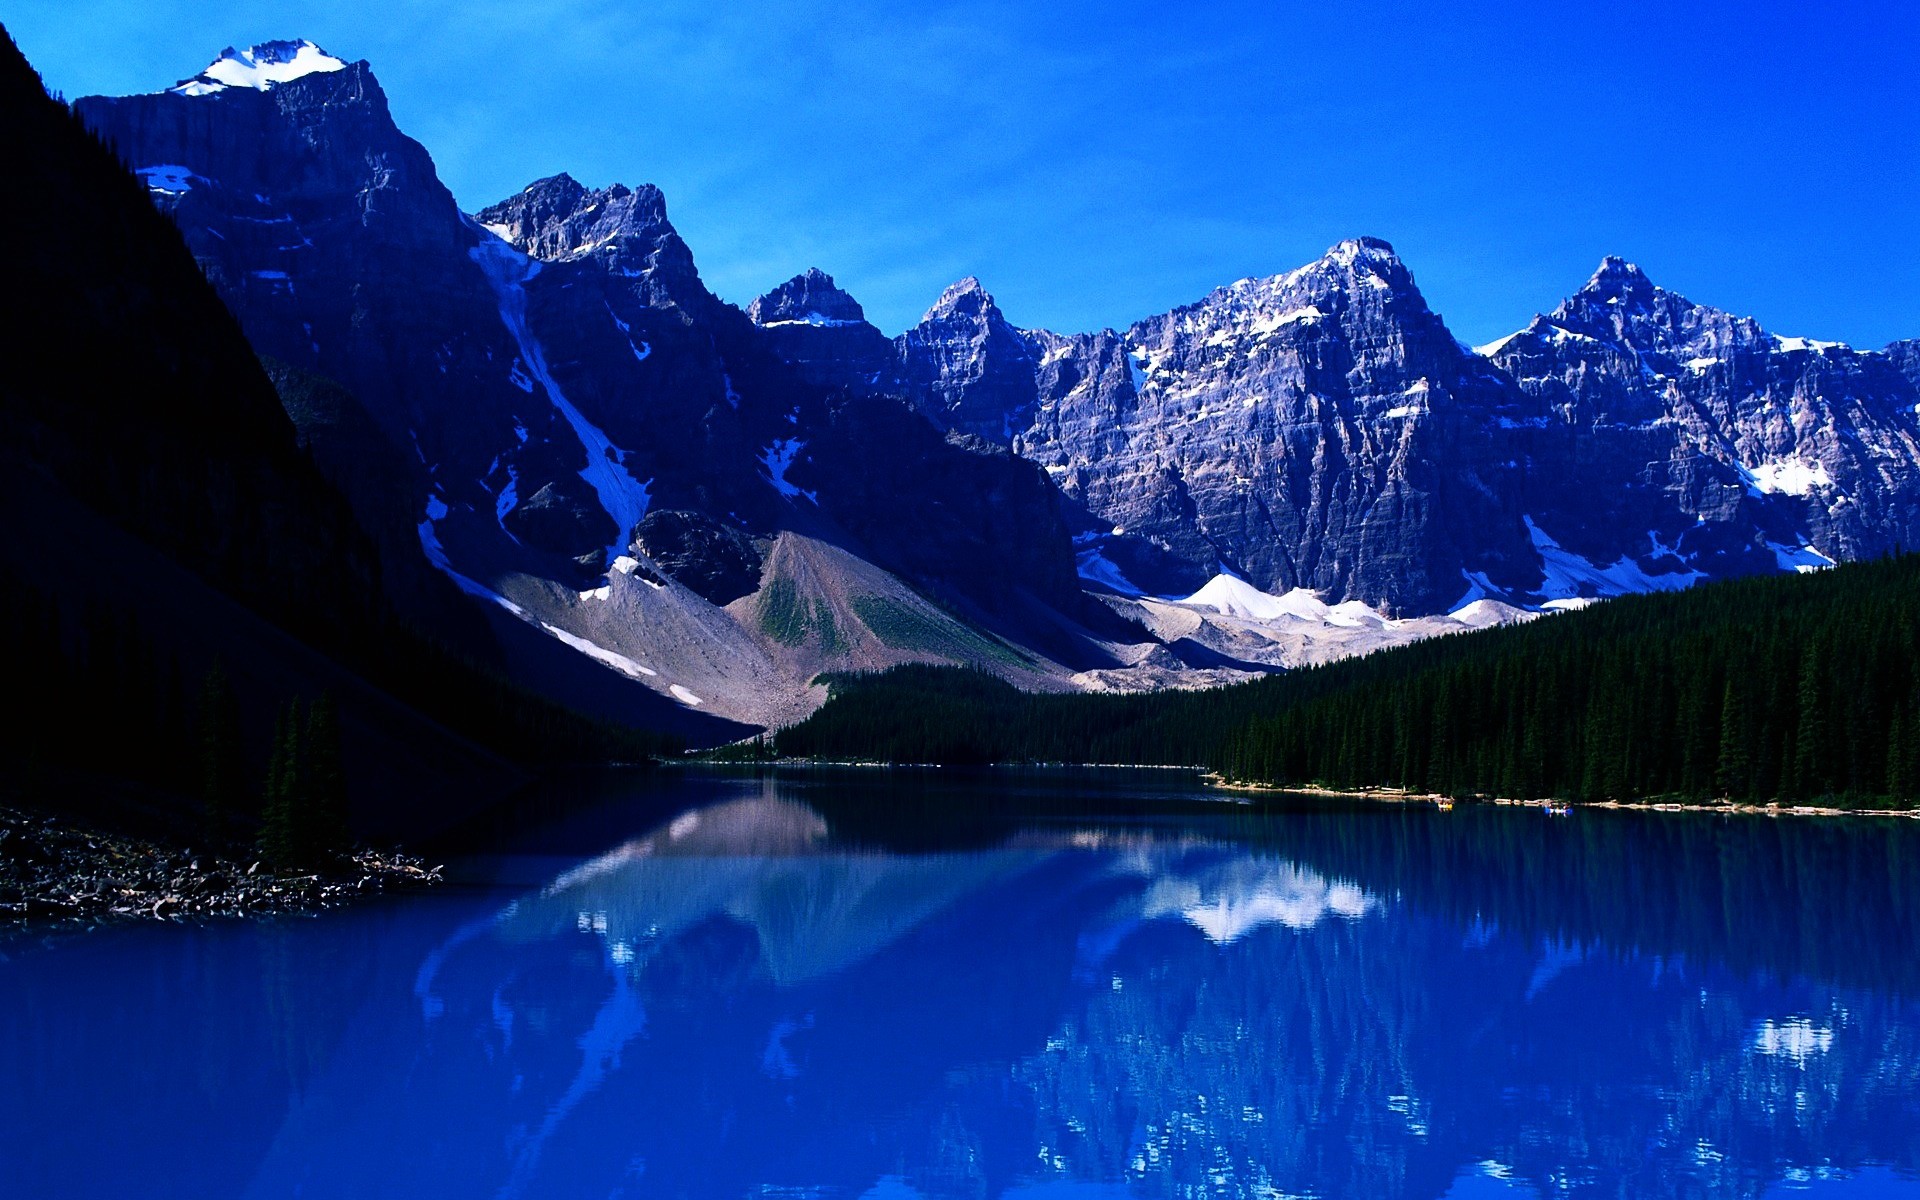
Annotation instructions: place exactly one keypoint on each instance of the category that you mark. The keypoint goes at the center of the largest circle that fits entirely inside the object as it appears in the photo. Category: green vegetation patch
(788, 618)
(904, 629)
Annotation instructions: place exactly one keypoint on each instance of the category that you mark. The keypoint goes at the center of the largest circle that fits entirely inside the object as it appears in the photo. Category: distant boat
(1559, 810)
(1443, 804)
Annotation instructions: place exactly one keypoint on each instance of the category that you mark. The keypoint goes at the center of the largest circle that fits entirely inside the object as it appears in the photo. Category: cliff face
(1323, 429)
(558, 393)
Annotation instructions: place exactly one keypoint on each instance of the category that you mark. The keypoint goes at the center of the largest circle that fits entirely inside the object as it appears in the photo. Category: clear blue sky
(1094, 163)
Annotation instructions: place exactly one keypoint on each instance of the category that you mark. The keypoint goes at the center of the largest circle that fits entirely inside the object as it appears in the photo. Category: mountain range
(656, 496)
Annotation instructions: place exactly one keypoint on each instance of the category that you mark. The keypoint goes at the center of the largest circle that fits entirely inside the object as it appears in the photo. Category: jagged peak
(560, 182)
(1617, 276)
(558, 217)
(1355, 250)
(260, 67)
(1351, 266)
(966, 298)
(809, 298)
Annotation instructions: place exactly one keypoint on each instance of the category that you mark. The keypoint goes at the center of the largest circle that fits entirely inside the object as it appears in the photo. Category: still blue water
(1009, 985)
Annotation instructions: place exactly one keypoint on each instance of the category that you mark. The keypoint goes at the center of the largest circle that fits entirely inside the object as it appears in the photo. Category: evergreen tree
(1734, 774)
(323, 792)
(1810, 749)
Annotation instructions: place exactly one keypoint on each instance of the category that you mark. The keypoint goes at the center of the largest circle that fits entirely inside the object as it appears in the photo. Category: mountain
(1765, 451)
(624, 468)
(1323, 430)
(168, 520)
(660, 498)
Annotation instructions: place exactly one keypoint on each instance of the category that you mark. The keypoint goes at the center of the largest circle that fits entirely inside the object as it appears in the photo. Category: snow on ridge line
(260, 67)
(1496, 345)
(624, 498)
(1789, 345)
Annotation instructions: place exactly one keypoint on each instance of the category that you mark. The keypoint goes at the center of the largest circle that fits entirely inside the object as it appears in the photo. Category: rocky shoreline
(56, 871)
(1402, 796)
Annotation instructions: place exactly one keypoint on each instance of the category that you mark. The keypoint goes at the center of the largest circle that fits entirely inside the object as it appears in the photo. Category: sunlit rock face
(1772, 444)
(1319, 429)
(1323, 429)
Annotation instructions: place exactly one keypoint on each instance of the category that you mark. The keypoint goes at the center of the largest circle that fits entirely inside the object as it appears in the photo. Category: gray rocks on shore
(57, 871)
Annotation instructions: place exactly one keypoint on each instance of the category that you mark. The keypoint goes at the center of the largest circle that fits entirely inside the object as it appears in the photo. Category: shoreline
(1214, 781)
(1402, 796)
(63, 873)
(1218, 783)
(878, 764)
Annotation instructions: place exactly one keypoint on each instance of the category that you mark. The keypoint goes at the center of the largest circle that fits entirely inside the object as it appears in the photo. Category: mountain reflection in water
(753, 999)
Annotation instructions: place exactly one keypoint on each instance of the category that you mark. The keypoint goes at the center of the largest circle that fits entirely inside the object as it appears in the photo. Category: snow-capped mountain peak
(260, 67)
(1371, 251)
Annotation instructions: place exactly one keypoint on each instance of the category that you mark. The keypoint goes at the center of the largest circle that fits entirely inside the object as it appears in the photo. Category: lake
(1047, 985)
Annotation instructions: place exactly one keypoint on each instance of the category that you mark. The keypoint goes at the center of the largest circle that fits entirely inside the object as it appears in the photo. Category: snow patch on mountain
(1802, 558)
(260, 67)
(1570, 576)
(1095, 567)
(778, 458)
(1790, 345)
(817, 320)
(1787, 478)
(624, 498)
(640, 349)
(1496, 346)
(437, 555)
(1235, 597)
(598, 653)
(508, 498)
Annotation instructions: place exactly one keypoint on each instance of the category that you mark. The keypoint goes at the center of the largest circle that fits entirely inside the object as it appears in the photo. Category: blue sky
(1095, 163)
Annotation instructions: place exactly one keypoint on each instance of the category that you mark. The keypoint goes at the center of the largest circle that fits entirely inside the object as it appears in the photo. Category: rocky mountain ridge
(712, 505)
(587, 439)
(1322, 429)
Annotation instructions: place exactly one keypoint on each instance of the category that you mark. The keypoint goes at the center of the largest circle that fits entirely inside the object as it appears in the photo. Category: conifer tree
(1734, 774)
(324, 791)
(1810, 750)
(281, 810)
